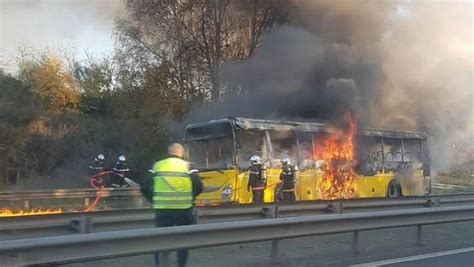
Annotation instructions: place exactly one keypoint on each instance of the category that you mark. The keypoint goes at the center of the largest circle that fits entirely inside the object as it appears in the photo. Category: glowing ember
(11, 213)
(337, 153)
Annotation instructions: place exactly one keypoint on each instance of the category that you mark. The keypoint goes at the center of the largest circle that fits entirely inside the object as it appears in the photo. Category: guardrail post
(86, 202)
(334, 208)
(355, 242)
(82, 225)
(432, 202)
(419, 231)
(165, 259)
(272, 212)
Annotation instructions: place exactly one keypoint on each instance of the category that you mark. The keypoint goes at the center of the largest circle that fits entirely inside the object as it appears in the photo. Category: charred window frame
(212, 154)
(369, 155)
(393, 149)
(281, 144)
(305, 150)
(412, 150)
(203, 140)
(248, 143)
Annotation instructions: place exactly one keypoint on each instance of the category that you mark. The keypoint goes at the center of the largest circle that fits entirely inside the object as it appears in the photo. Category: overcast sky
(74, 25)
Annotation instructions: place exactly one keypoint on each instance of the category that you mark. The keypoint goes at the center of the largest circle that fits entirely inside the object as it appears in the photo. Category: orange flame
(337, 153)
(11, 213)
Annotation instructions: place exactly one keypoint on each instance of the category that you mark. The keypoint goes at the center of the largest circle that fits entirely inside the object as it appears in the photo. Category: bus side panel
(243, 195)
(372, 186)
(415, 184)
(215, 185)
(273, 179)
(306, 185)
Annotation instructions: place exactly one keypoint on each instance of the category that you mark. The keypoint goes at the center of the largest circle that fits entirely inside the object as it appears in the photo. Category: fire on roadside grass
(16, 213)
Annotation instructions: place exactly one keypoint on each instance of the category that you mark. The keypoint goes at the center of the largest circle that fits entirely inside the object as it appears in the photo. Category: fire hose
(100, 188)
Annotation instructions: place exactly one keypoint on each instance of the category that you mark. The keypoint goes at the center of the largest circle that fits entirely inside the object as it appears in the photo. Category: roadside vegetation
(57, 113)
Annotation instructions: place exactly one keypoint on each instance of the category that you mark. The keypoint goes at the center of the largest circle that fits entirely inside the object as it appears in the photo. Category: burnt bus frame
(313, 128)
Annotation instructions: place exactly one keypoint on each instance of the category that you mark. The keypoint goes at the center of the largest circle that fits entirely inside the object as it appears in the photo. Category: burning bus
(333, 163)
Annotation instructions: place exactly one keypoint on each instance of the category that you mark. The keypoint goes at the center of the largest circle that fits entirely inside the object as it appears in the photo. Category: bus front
(210, 148)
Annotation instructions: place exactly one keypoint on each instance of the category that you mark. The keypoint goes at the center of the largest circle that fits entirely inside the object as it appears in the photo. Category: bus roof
(261, 125)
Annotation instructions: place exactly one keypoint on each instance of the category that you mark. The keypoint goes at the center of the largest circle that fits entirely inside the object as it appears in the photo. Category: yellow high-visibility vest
(172, 186)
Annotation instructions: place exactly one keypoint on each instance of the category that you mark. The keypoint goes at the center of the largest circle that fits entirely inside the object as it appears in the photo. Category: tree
(194, 37)
(55, 86)
(95, 80)
(17, 109)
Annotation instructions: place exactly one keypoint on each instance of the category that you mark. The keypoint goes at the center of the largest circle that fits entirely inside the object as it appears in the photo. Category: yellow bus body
(306, 187)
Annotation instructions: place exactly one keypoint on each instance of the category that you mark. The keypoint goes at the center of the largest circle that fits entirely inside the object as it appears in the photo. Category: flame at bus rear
(337, 154)
(11, 213)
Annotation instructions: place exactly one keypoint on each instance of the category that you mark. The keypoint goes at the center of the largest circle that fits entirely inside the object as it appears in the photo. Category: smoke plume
(75, 25)
(395, 65)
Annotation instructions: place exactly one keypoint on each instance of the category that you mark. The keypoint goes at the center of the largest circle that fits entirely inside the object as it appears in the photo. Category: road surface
(327, 250)
(458, 257)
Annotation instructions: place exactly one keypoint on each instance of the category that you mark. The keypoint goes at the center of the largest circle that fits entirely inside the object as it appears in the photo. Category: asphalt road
(455, 258)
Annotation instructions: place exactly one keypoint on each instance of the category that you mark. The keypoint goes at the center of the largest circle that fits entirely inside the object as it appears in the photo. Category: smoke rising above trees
(402, 65)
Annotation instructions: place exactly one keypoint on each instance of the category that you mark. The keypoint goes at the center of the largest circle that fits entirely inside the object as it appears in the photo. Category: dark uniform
(288, 179)
(121, 171)
(96, 167)
(257, 182)
(175, 189)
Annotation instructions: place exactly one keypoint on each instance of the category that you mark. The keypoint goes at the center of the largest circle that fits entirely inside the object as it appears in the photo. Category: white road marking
(413, 258)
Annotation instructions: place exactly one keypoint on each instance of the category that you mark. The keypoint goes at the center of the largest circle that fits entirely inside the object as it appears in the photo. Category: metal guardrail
(69, 223)
(93, 246)
(26, 199)
(449, 186)
(66, 193)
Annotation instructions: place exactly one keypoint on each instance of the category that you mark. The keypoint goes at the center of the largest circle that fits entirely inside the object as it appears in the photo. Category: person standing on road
(257, 179)
(174, 190)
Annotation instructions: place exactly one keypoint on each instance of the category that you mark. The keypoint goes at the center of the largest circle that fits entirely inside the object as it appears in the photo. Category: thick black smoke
(394, 65)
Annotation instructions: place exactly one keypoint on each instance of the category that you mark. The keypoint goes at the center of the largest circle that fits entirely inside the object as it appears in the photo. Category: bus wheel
(394, 189)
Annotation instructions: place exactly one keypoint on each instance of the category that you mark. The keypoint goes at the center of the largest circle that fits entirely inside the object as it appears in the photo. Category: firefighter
(174, 190)
(96, 167)
(257, 179)
(121, 171)
(288, 180)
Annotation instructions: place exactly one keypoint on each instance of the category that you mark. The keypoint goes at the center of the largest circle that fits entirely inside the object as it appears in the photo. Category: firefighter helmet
(255, 159)
(286, 160)
(100, 157)
(122, 158)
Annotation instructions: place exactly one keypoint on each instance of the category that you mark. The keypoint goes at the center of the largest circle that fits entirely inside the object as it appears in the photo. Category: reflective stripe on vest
(172, 185)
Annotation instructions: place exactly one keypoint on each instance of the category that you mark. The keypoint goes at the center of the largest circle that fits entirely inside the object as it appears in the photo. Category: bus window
(197, 154)
(392, 148)
(305, 149)
(219, 153)
(411, 150)
(250, 143)
(369, 155)
(215, 153)
(283, 144)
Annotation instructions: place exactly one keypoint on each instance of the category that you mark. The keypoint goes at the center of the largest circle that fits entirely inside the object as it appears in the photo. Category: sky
(75, 26)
